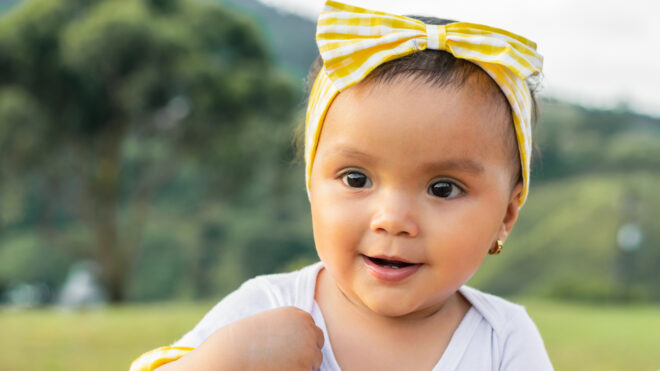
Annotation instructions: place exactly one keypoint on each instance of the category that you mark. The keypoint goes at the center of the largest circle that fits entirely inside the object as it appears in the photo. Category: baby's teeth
(392, 266)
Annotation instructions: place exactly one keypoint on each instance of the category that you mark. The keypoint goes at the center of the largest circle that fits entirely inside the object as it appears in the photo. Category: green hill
(565, 243)
(292, 37)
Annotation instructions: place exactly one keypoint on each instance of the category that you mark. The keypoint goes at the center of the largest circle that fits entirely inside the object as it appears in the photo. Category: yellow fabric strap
(353, 41)
(155, 358)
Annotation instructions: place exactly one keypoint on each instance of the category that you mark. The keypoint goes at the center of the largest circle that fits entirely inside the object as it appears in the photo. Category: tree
(80, 80)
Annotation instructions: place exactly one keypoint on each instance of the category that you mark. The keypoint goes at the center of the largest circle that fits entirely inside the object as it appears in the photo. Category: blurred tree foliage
(575, 140)
(103, 104)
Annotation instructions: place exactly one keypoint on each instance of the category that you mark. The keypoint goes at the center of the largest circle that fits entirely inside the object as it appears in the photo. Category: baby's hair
(437, 68)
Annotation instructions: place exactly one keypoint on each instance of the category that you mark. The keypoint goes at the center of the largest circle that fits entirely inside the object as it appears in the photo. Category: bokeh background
(147, 168)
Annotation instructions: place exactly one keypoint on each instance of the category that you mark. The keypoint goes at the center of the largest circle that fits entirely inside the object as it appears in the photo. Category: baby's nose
(394, 215)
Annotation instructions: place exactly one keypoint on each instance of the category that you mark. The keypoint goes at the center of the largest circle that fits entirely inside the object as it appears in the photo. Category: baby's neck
(361, 337)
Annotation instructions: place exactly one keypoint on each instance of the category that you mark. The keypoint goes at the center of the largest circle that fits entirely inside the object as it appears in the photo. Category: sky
(598, 53)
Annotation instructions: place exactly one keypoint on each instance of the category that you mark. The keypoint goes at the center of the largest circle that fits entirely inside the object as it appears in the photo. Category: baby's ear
(511, 215)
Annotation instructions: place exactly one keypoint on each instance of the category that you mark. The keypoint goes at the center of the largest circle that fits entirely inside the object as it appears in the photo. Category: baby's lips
(391, 271)
(392, 258)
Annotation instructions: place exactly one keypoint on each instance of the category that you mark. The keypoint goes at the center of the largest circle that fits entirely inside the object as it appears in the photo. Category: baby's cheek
(457, 257)
(335, 230)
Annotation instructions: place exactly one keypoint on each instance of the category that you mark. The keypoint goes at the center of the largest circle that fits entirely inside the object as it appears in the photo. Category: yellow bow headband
(353, 41)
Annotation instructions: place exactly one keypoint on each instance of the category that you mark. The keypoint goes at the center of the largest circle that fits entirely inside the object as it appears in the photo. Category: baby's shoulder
(516, 340)
(283, 289)
(256, 295)
(502, 315)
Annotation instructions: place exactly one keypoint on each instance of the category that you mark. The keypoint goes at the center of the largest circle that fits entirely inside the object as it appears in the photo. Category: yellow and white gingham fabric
(353, 41)
(153, 359)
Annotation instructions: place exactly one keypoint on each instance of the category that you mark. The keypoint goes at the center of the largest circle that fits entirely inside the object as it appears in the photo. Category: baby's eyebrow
(350, 152)
(452, 164)
(458, 164)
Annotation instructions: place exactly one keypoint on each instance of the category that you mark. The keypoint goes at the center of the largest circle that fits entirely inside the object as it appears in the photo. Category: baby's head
(413, 178)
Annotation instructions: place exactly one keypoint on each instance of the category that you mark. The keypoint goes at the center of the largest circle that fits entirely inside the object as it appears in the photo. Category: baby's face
(410, 188)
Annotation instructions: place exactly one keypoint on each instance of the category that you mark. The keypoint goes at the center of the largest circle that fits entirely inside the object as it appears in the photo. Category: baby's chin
(400, 308)
(392, 311)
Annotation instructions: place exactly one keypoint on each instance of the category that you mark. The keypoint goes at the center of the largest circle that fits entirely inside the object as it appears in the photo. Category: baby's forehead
(417, 104)
(478, 90)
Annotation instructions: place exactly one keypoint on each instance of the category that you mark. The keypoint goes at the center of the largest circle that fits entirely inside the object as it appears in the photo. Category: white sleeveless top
(495, 334)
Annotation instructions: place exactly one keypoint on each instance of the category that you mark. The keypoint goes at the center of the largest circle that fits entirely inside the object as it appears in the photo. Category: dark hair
(438, 68)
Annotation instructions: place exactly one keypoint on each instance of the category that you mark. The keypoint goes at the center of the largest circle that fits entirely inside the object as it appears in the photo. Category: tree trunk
(104, 183)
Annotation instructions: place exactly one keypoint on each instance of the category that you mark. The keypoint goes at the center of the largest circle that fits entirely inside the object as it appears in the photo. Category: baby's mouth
(390, 268)
(392, 263)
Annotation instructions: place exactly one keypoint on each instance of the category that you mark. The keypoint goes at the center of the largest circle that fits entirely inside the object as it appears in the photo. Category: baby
(417, 150)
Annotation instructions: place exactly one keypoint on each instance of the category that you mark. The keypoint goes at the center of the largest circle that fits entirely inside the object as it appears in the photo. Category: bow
(353, 41)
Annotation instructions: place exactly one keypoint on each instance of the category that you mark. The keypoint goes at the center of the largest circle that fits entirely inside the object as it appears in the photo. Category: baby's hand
(279, 339)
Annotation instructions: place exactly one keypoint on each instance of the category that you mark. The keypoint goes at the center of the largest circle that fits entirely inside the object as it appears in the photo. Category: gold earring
(497, 248)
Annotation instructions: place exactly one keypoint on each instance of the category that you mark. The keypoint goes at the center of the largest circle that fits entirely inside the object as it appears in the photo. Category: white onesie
(495, 334)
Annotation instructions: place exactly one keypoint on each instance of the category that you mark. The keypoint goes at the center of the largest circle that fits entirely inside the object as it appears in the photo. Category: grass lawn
(578, 336)
(596, 337)
(99, 340)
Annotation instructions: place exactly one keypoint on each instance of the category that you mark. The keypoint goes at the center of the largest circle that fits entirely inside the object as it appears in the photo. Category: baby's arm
(245, 320)
(284, 338)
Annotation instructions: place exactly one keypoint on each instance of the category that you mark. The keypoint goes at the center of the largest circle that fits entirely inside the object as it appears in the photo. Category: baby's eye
(355, 179)
(445, 189)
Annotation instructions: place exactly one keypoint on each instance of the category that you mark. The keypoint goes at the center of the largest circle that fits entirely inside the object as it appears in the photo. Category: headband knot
(436, 37)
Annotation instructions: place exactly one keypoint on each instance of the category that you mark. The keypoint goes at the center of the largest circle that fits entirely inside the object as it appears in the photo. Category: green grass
(104, 339)
(597, 337)
(578, 336)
